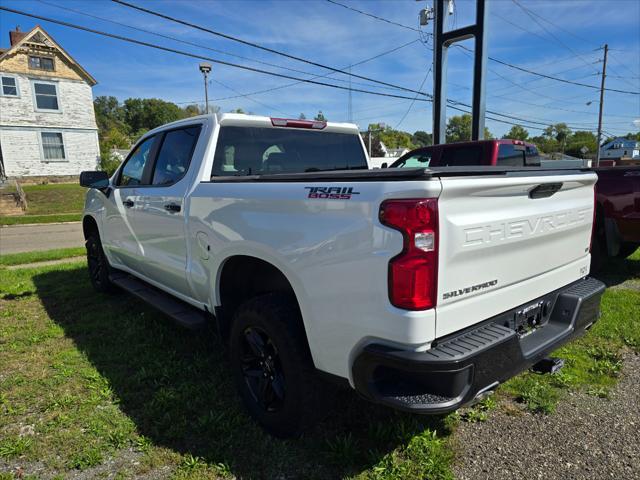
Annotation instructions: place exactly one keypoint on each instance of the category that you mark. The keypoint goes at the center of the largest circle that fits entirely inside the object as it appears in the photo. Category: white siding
(21, 124)
(74, 98)
(22, 152)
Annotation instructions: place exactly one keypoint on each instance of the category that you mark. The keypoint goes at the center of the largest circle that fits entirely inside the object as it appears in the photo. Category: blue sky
(329, 34)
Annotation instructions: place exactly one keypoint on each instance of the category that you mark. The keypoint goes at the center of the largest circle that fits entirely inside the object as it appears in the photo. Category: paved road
(28, 238)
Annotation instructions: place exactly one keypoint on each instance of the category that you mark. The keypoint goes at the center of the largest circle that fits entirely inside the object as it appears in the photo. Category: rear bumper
(462, 366)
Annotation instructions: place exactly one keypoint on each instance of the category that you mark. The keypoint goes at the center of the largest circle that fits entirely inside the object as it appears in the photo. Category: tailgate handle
(545, 190)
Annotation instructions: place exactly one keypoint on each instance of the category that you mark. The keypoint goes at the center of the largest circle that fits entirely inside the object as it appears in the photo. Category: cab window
(175, 155)
(417, 160)
(133, 170)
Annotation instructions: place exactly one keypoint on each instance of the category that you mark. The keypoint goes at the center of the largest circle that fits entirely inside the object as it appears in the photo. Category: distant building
(47, 122)
(620, 148)
(392, 152)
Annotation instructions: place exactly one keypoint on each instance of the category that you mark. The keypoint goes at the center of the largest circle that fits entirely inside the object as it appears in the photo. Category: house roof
(42, 36)
(626, 143)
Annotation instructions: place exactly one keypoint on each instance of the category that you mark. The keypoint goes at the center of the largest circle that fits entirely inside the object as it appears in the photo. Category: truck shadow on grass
(176, 387)
(619, 271)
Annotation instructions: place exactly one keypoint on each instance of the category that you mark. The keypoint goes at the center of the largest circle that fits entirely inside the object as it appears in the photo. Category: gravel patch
(586, 438)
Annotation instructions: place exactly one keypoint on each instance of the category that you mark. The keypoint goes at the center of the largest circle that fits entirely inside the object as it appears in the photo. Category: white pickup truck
(422, 289)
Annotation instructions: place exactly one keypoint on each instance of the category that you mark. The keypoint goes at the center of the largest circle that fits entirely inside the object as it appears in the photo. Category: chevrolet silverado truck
(421, 288)
(616, 231)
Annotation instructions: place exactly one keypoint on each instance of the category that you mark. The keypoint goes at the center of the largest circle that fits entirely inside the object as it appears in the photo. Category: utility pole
(604, 74)
(205, 68)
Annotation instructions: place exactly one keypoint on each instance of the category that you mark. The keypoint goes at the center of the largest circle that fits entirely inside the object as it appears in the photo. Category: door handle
(127, 203)
(172, 207)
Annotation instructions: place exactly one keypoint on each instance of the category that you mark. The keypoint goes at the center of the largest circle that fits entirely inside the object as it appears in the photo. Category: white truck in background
(422, 289)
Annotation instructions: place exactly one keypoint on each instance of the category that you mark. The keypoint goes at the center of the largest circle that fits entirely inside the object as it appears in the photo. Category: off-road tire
(277, 318)
(98, 265)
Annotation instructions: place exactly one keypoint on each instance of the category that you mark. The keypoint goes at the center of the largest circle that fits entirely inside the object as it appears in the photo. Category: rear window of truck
(462, 156)
(256, 151)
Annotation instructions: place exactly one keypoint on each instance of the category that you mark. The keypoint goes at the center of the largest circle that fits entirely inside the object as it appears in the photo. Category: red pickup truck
(617, 226)
(514, 153)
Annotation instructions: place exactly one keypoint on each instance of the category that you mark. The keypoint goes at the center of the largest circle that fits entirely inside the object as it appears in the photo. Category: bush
(109, 163)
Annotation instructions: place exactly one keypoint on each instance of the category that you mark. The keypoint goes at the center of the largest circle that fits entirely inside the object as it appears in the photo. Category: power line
(244, 67)
(255, 45)
(202, 57)
(502, 62)
(248, 97)
(167, 17)
(386, 20)
(193, 44)
(533, 16)
(324, 75)
(414, 99)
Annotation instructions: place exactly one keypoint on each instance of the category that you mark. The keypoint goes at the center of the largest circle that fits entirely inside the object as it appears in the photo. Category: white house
(47, 122)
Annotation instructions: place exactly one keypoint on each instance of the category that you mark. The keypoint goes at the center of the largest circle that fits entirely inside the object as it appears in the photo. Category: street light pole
(604, 74)
(205, 68)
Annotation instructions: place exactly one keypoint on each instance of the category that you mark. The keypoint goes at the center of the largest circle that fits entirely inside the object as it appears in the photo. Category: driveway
(29, 238)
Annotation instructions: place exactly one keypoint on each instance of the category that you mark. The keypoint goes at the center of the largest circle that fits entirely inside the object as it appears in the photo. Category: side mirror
(96, 179)
(384, 165)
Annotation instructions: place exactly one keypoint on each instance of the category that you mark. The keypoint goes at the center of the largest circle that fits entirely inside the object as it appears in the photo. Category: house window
(41, 63)
(52, 146)
(46, 96)
(9, 86)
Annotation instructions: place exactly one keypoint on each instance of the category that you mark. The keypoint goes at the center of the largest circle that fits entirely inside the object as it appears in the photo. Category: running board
(182, 313)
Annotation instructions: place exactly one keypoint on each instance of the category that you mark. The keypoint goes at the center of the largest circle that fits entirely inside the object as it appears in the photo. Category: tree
(395, 138)
(633, 136)
(459, 129)
(109, 113)
(559, 132)
(193, 110)
(302, 116)
(320, 117)
(579, 140)
(421, 138)
(142, 114)
(517, 132)
(545, 144)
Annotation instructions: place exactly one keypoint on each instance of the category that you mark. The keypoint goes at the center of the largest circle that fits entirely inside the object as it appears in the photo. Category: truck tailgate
(505, 241)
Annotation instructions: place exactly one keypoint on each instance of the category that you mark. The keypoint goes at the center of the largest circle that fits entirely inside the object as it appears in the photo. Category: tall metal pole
(206, 93)
(205, 68)
(604, 74)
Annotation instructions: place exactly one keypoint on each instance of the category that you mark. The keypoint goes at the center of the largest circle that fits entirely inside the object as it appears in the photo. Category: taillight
(413, 274)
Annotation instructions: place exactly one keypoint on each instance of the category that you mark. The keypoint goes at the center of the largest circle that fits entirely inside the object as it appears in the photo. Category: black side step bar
(182, 313)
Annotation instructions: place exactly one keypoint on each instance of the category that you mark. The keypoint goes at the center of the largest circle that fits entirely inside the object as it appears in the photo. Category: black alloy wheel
(262, 369)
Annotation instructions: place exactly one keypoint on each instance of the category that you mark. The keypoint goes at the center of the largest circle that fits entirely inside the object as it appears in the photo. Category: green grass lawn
(105, 384)
(46, 255)
(54, 202)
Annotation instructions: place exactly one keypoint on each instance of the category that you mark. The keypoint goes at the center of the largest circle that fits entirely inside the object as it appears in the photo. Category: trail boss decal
(332, 193)
(473, 288)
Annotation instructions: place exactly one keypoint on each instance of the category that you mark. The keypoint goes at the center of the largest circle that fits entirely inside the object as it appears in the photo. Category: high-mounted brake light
(413, 274)
(286, 122)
